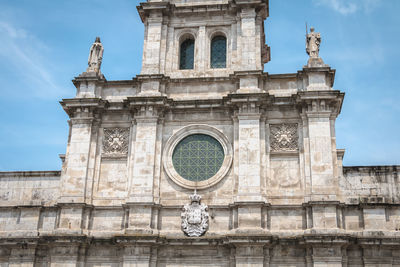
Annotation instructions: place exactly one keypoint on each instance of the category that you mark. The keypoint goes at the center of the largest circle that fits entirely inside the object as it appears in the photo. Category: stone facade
(280, 198)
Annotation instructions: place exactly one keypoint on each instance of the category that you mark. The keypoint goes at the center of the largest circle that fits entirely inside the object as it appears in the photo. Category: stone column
(147, 114)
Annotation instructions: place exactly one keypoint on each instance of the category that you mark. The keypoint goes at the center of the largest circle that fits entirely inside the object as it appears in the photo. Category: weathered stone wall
(281, 198)
(29, 188)
(367, 211)
(371, 184)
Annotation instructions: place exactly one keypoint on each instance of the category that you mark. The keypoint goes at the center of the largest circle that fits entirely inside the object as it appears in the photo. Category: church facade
(203, 159)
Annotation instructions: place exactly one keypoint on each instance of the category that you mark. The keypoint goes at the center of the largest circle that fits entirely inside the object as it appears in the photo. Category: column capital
(148, 108)
(83, 108)
(316, 104)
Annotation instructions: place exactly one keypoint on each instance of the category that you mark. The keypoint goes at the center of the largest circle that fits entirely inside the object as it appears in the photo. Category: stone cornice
(311, 237)
(29, 174)
(320, 103)
(145, 8)
(83, 105)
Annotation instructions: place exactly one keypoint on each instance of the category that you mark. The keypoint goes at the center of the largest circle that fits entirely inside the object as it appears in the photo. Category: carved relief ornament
(284, 137)
(195, 217)
(115, 141)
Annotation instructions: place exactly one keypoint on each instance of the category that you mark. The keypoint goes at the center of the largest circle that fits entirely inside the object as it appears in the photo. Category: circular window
(198, 157)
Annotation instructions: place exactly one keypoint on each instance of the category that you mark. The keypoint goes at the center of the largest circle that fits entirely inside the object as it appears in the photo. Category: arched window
(218, 52)
(187, 55)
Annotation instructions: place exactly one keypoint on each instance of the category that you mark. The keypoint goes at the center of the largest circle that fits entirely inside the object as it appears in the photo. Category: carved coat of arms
(194, 217)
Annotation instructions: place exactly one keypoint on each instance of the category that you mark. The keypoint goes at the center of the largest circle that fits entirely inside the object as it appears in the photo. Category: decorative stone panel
(284, 137)
(115, 141)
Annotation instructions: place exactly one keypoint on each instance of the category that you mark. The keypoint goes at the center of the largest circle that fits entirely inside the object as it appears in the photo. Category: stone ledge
(316, 238)
(29, 174)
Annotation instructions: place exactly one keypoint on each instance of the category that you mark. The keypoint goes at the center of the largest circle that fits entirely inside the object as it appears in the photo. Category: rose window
(198, 157)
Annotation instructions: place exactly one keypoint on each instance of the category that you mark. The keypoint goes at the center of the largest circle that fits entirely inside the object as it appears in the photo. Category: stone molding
(83, 108)
(320, 103)
(197, 129)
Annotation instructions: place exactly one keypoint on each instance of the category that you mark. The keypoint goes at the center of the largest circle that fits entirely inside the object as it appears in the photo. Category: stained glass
(198, 157)
(218, 52)
(187, 55)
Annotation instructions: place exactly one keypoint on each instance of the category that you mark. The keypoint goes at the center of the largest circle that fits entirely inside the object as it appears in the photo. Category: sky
(44, 44)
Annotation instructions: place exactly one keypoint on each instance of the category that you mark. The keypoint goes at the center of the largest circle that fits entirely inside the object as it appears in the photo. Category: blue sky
(45, 43)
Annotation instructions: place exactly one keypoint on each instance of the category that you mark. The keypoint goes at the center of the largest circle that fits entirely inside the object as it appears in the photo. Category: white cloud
(346, 7)
(25, 55)
(370, 5)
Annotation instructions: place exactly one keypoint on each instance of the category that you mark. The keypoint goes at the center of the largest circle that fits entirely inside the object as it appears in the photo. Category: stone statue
(95, 56)
(312, 43)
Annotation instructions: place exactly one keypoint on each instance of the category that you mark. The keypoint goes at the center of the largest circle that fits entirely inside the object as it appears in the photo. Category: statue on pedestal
(95, 56)
(313, 41)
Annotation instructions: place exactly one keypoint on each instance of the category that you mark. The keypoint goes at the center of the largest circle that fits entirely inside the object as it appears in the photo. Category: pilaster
(251, 15)
(247, 147)
(89, 84)
(84, 114)
(152, 16)
(323, 215)
(151, 85)
(139, 256)
(248, 38)
(319, 110)
(4, 256)
(317, 76)
(329, 255)
(375, 255)
(249, 81)
(22, 256)
(148, 114)
(67, 255)
(73, 218)
(249, 255)
(248, 116)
